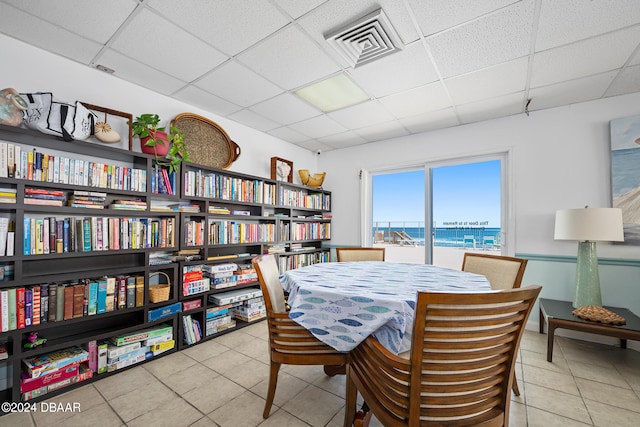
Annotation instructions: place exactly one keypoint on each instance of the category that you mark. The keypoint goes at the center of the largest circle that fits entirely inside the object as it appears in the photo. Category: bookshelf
(148, 217)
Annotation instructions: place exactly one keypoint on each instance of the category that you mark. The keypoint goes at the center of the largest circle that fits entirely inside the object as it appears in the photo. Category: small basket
(159, 292)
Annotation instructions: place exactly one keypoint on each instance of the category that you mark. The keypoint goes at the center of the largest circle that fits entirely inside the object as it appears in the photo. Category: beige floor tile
(119, 383)
(176, 413)
(170, 364)
(205, 350)
(336, 384)
(234, 338)
(608, 394)
(566, 405)
(598, 373)
(308, 373)
(587, 352)
(533, 358)
(225, 362)
(86, 397)
(607, 416)
(550, 379)
(534, 341)
(188, 379)
(249, 373)
(142, 400)
(282, 418)
(258, 330)
(517, 414)
(209, 397)
(17, 419)
(243, 411)
(539, 418)
(256, 348)
(314, 406)
(204, 422)
(103, 412)
(287, 388)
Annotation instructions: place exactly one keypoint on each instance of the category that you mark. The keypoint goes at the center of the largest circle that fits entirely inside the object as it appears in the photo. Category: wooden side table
(558, 315)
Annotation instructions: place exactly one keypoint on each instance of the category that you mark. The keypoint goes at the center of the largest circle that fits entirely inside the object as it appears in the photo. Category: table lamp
(587, 226)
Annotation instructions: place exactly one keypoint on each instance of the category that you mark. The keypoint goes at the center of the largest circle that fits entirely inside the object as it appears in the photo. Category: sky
(463, 195)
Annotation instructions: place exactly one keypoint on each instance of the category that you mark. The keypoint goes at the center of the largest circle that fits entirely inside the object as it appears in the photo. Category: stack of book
(7, 195)
(87, 199)
(192, 330)
(219, 210)
(185, 207)
(41, 196)
(131, 205)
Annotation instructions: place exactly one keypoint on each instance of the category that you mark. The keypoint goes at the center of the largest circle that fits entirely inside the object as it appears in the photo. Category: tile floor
(223, 382)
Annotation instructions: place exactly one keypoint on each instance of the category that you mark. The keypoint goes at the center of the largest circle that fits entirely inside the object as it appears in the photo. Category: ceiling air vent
(366, 40)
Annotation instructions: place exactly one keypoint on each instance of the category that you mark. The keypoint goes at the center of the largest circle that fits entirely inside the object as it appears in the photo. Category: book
(13, 308)
(111, 294)
(36, 305)
(44, 303)
(102, 357)
(93, 298)
(53, 302)
(139, 291)
(102, 295)
(68, 302)
(20, 307)
(4, 309)
(131, 291)
(60, 303)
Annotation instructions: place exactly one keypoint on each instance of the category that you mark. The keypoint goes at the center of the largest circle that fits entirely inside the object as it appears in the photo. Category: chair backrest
(502, 272)
(269, 277)
(462, 356)
(360, 254)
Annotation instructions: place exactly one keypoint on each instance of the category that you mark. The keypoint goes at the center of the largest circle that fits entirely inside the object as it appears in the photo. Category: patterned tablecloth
(342, 303)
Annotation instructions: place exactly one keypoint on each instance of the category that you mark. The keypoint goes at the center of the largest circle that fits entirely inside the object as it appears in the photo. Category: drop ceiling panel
(500, 79)
(580, 90)
(567, 21)
(382, 131)
(285, 109)
(438, 15)
(208, 102)
(431, 121)
(583, 58)
(502, 106)
(628, 81)
(213, 21)
(289, 135)
(297, 8)
(318, 127)
(236, 83)
(289, 59)
(133, 71)
(51, 38)
(181, 55)
(426, 98)
(342, 140)
(492, 39)
(361, 115)
(398, 72)
(97, 20)
(253, 120)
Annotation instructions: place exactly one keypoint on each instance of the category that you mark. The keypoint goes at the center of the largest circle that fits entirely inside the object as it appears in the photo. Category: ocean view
(443, 236)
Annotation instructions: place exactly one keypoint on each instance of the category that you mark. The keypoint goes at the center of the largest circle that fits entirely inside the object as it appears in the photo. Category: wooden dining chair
(503, 272)
(459, 369)
(360, 254)
(289, 343)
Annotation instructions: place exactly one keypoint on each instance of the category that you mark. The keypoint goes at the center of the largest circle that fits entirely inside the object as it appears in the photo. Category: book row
(33, 165)
(163, 182)
(216, 186)
(53, 302)
(308, 231)
(301, 260)
(301, 199)
(229, 232)
(86, 234)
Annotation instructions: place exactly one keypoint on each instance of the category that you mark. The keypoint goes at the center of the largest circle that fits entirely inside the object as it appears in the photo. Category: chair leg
(514, 387)
(273, 380)
(351, 396)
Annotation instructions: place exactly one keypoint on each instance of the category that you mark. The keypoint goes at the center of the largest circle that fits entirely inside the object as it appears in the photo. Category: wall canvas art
(625, 174)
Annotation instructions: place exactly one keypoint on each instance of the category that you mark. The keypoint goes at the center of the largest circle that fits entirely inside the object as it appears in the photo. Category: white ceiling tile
(431, 121)
(571, 92)
(297, 8)
(584, 58)
(490, 40)
(253, 120)
(627, 82)
(421, 100)
(198, 97)
(438, 15)
(214, 22)
(502, 106)
(236, 83)
(286, 109)
(566, 21)
(288, 134)
(178, 54)
(313, 145)
(133, 71)
(53, 39)
(361, 115)
(97, 20)
(382, 131)
(500, 79)
(636, 58)
(317, 127)
(290, 59)
(342, 140)
(397, 72)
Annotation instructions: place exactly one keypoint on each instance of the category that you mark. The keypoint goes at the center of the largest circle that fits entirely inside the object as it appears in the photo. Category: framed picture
(119, 121)
(281, 169)
(625, 174)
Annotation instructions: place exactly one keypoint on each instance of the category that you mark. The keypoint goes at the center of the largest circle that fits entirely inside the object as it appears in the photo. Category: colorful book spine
(36, 305)
(20, 307)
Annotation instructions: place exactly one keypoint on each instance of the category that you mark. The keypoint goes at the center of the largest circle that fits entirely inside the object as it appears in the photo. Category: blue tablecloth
(342, 303)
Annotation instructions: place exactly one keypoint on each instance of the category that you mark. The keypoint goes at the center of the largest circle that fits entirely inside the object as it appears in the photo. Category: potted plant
(154, 140)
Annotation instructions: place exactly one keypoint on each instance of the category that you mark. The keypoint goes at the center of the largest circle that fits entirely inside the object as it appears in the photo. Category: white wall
(29, 69)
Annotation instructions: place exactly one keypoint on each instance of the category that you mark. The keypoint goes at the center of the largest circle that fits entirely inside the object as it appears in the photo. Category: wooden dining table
(342, 303)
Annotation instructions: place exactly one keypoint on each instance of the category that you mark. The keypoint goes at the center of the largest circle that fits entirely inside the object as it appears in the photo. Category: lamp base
(587, 290)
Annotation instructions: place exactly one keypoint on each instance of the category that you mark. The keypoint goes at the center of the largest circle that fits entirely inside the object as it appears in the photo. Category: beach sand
(442, 256)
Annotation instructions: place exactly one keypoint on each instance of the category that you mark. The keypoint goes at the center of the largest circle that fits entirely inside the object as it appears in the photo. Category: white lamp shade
(593, 224)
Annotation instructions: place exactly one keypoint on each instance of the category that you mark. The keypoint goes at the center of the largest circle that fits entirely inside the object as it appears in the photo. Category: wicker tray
(599, 314)
(207, 143)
